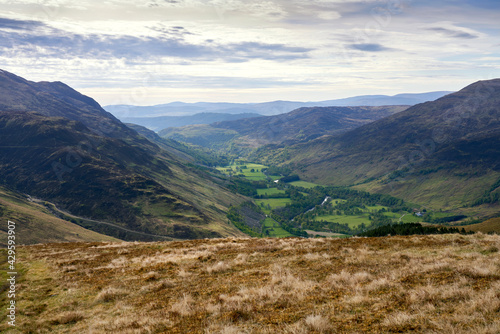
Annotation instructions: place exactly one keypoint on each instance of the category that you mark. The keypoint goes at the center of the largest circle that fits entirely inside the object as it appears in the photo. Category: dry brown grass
(422, 284)
(488, 226)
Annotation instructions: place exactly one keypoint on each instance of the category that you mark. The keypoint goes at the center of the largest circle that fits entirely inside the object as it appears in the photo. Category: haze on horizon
(123, 52)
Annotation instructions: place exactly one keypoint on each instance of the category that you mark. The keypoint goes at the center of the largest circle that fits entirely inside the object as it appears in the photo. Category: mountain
(307, 123)
(61, 147)
(266, 108)
(302, 124)
(443, 153)
(163, 122)
(56, 99)
(384, 100)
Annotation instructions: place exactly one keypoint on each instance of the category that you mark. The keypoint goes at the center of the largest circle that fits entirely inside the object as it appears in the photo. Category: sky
(160, 51)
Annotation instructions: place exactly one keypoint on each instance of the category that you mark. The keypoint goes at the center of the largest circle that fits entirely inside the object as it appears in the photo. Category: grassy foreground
(423, 284)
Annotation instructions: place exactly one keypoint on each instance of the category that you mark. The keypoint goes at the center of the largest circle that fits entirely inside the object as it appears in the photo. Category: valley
(319, 210)
(327, 170)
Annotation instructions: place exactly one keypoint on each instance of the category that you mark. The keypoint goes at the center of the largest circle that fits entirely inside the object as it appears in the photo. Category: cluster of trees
(289, 226)
(359, 198)
(444, 220)
(319, 225)
(242, 186)
(290, 178)
(489, 196)
(238, 220)
(274, 170)
(410, 229)
(299, 203)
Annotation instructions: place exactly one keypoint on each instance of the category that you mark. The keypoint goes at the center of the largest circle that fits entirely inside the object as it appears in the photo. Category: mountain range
(267, 108)
(61, 148)
(163, 122)
(302, 124)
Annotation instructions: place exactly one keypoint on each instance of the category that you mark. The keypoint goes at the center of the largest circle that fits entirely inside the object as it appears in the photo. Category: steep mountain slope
(59, 100)
(299, 125)
(114, 175)
(431, 151)
(35, 224)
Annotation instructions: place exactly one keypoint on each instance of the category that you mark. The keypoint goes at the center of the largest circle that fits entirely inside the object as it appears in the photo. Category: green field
(303, 184)
(270, 191)
(376, 208)
(236, 169)
(274, 229)
(273, 203)
(410, 218)
(351, 221)
(336, 201)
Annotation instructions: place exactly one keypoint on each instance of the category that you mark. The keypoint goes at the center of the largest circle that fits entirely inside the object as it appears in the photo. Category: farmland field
(270, 191)
(273, 203)
(352, 221)
(303, 184)
(274, 229)
(237, 169)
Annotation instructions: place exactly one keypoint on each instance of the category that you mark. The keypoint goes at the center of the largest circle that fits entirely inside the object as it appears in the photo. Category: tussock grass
(218, 267)
(319, 323)
(110, 294)
(67, 318)
(421, 284)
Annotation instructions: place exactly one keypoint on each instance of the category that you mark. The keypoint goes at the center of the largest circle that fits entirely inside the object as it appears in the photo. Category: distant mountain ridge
(266, 108)
(303, 124)
(307, 123)
(163, 122)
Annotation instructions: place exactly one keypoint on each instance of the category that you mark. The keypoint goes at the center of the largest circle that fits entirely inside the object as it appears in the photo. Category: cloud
(266, 51)
(171, 31)
(19, 24)
(454, 33)
(171, 42)
(369, 47)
